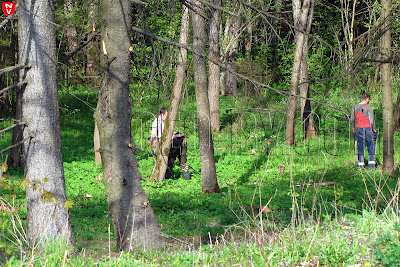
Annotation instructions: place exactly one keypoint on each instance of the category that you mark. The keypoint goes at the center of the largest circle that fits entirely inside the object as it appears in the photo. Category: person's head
(365, 97)
(163, 113)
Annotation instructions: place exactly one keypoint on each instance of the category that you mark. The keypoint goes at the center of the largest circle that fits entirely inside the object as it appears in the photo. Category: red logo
(8, 8)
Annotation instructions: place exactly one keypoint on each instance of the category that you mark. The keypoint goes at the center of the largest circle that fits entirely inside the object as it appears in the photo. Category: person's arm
(370, 116)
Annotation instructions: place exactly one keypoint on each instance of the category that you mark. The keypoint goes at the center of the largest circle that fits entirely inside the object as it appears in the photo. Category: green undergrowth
(351, 221)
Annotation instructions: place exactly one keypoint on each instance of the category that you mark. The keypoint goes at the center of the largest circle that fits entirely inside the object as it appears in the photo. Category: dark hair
(365, 96)
(163, 110)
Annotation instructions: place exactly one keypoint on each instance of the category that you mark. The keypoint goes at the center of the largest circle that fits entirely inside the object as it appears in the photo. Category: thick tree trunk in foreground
(133, 218)
(162, 154)
(300, 15)
(45, 196)
(214, 69)
(387, 101)
(208, 171)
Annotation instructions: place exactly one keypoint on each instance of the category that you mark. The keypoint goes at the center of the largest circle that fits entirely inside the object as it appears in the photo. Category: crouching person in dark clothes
(177, 150)
(178, 146)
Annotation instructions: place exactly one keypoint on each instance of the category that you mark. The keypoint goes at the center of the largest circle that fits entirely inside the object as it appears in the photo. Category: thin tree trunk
(46, 194)
(300, 15)
(162, 158)
(214, 69)
(305, 104)
(133, 218)
(387, 101)
(396, 121)
(15, 160)
(93, 48)
(208, 171)
(96, 144)
(233, 51)
(72, 38)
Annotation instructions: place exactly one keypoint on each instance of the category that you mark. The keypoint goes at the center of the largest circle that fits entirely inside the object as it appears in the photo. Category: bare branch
(12, 68)
(4, 22)
(393, 60)
(12, 87)
(73, 53)
(217, 7)
(15, 145)
(12, 126)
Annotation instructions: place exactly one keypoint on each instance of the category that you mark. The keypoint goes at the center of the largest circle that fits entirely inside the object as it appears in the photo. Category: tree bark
(72, 39)
(208, 171)
(93, 48)
(233, 51)
(300, 15)
(133, 218)
(387, 101)
(214, 69)
(396, 121)
(163, 152)
(305, 103)
(96, 144)
(47, 217)
(15, 160)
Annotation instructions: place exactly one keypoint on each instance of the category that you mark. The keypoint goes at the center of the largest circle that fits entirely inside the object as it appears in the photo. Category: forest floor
(321, 210)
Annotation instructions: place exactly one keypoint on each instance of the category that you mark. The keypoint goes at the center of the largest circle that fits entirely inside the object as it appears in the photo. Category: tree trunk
(305, 103)
(208, 171)
(93, 48)
(96, 144)
(396, 121)
(214, 69)
(387, 101)
(15, 160)
(300, 17)
(133, 218)
(162, 154)
(233, 50)
(72, 38)
(47, 217)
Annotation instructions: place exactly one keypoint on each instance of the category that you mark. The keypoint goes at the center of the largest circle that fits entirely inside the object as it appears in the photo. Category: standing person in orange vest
(363, 124)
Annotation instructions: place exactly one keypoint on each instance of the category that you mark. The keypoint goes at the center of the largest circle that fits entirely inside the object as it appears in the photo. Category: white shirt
(157, 127)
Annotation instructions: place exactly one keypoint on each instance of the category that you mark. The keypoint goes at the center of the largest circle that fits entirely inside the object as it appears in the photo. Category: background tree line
(302, 50)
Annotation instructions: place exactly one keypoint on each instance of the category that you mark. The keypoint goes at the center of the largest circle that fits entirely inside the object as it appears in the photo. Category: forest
(199, 133)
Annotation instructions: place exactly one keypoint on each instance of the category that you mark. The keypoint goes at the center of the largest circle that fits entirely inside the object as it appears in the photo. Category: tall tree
(214, 69)
(305, 103)
(133, 218)
(44, 172)
(163, 152)
(208, 171)
(387, 98)
(300, 15)
(232, 55)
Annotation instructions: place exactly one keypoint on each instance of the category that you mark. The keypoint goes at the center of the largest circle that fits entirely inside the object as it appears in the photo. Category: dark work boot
(168, 174)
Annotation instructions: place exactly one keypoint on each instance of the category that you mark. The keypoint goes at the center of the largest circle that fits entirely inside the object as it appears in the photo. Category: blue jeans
(365, 135)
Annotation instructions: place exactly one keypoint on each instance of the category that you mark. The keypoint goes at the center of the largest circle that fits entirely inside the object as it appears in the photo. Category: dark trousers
(178, 150)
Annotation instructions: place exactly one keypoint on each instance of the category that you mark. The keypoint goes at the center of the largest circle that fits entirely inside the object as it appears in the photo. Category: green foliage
(388, 247)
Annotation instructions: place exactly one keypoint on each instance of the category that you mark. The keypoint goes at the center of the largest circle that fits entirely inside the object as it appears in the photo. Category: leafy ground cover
(355, 221)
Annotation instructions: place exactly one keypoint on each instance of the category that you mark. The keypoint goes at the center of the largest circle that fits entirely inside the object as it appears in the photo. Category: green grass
(340, 225)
